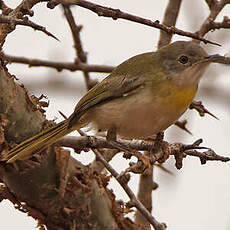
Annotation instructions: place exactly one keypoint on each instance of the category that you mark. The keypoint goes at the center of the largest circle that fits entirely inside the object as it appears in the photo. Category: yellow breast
(176, 97)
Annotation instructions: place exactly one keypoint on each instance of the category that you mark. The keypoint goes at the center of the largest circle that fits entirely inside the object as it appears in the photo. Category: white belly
(136, 116)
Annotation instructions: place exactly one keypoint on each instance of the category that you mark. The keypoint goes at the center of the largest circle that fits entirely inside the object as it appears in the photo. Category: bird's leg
(111, 137)
(160, 151)
(112, 134)
(143, 161)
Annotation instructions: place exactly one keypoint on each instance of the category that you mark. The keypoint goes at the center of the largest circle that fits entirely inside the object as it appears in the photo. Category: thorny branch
(24, 22)
(24, 8)
(209, 24)
(81, 54)
(198, 106)
(95, 142)
(116, 14)
(59, 66)
(224, 24)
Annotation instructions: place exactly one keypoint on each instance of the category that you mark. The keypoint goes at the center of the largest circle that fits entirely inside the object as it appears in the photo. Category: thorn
(182, 125)
(63, 115)
(50, 34)
(164, 169)
(199, 107)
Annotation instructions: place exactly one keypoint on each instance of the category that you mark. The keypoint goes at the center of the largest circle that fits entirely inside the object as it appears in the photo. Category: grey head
(184, 62)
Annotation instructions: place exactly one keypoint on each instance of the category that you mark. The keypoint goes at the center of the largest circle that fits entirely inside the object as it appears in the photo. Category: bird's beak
(216, 58)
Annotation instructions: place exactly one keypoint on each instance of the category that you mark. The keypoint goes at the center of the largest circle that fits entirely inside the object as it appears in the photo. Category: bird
(141, 97)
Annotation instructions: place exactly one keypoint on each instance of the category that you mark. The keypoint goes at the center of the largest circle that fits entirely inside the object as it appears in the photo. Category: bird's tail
(37, 143)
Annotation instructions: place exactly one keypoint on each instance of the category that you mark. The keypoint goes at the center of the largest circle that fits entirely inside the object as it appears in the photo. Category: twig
(116, 14)
(225, 24)
(108, 154)
(24, 8)
(180, 151)
(59, 66)
(100, 142)
(5, 9)
(197, 105)
(215, 8)
(170, 17)
(25, 22)
(75, 29)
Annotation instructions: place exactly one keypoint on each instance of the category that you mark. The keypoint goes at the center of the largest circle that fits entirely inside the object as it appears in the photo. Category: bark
(57, 189)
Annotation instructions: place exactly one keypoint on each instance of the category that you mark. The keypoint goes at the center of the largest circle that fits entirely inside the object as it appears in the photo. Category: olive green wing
(114, 86)
(127, 78)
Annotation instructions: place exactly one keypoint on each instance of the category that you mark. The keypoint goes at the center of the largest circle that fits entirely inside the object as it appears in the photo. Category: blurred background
(196, 197)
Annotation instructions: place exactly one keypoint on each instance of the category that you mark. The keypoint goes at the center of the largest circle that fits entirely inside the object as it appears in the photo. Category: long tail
(37, 143)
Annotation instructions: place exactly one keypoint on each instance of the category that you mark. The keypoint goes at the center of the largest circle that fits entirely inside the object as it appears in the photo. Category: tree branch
(170, 18)
(116, 14)
(24, 22)
(80, 53)
(215, 8)
(95, 142)
(22, 9)
(199, 107)
(59, 66)
(225, 24)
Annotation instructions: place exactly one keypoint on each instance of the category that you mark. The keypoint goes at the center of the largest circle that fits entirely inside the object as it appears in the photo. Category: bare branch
(209, 155)
(5, 9)
(75, 29)
(81, 54)
(116, 14)
(108, 154)
(59, 66)
(225, 24)
(25, 22)
(95, 142)
(170, 17)
(197, 105)
(24, 8)
(215, 8)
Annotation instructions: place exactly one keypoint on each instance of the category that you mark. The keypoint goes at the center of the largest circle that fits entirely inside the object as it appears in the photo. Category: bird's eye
(183, 59)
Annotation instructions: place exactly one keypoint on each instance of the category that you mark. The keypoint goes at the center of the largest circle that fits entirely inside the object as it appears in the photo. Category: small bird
(141, 97)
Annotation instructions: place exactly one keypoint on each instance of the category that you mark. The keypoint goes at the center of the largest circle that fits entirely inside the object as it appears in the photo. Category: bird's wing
(114, 86)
